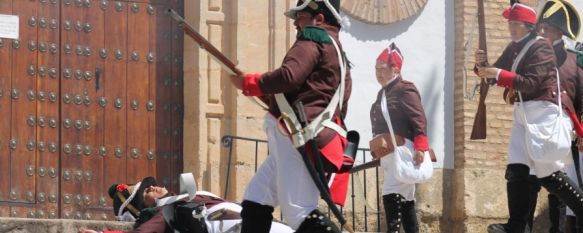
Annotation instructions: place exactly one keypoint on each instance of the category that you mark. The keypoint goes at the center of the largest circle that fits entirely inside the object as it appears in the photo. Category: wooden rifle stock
(479, 127)
(227, 64)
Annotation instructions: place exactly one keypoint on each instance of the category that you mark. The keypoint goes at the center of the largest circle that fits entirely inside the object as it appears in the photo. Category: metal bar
(378, 201)
(352, 197)
(228, 170)
(256, 153)
(228, 141)
(365, 194)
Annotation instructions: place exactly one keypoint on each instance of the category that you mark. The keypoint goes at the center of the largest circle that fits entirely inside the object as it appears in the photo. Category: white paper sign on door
(9, 27)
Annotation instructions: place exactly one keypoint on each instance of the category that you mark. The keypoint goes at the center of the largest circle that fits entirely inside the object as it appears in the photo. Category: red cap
(392, 56)
(521, 13)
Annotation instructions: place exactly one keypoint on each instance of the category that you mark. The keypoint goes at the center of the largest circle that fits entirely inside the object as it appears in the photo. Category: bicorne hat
(562, 15)
(330, 8)
(129, 198)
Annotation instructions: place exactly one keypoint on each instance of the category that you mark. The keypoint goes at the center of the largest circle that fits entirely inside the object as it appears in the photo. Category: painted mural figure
(315, 74)
(541, 133)
(144, 203)
(404, 132)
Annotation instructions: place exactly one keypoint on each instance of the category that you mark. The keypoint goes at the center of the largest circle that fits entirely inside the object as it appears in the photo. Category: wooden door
(91, 96)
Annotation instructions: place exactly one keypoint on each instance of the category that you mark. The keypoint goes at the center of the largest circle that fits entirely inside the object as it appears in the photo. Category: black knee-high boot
(561, 185)
(256, 218)
(518, 190)
(556, 214)
(409, 214)
(392, 204)
(399, 212)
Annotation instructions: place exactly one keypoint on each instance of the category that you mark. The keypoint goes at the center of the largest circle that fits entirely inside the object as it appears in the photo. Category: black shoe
(317, 222)
(503, 228)
(498, 228)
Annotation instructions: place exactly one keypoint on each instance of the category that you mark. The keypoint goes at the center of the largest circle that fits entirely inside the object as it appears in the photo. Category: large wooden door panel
(114, 82)
(23, 134)
(5, 111)
(47, 171)
(89, 98)
(139, 161)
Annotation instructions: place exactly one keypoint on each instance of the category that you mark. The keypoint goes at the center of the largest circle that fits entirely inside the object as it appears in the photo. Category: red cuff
(421, 143)
(505, 78)
(576, 124)
(251, 85)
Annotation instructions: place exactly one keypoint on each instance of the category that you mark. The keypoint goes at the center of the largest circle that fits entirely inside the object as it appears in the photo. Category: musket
(317, 171)
(217, 55)
(377, 162)
(367, 165)
(225, 62)
(479, 127)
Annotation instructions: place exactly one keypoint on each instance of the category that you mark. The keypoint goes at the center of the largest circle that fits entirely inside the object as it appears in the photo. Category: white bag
(552, 141)
(402, 161)
(548, 142)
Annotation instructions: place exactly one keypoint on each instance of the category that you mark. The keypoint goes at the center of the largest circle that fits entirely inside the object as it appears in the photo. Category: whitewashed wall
(426, 41)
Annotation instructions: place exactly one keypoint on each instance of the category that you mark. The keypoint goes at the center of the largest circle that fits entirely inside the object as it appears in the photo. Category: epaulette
(315, 34)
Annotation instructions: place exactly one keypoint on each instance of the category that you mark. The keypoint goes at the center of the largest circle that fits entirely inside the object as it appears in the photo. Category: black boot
(410, 224)
(519, 189)
(570, 223)
(392, 203)
(317, 222)
(534, 189)
(556, 214)
(256, 218)
(563, 187)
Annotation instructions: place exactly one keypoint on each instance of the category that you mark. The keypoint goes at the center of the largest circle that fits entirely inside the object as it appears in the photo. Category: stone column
(255, 35)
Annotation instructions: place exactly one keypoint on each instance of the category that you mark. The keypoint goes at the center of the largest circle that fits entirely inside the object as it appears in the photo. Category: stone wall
(253, 34)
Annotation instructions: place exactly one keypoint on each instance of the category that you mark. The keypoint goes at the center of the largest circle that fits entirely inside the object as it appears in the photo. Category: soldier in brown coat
(403, 104)
(314, 72)
(528, 65)
(557, 19)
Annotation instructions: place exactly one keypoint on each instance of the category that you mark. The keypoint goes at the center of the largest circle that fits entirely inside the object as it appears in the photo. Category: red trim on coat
(334, 151)
(339, 188)
(251, 85)
(421, 143)
(506, 78)
(576, 124)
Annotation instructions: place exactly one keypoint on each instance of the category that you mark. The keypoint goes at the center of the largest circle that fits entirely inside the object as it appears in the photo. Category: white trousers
(234, 226)
(390, 183)
(537, 112)
(283, 179)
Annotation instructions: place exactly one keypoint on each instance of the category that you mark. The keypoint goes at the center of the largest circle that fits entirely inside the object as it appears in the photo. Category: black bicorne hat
(562, 15)
(330, 8)
(129, 197)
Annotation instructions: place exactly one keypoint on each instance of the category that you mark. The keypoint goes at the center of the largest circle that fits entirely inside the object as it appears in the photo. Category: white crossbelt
(301, 135)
